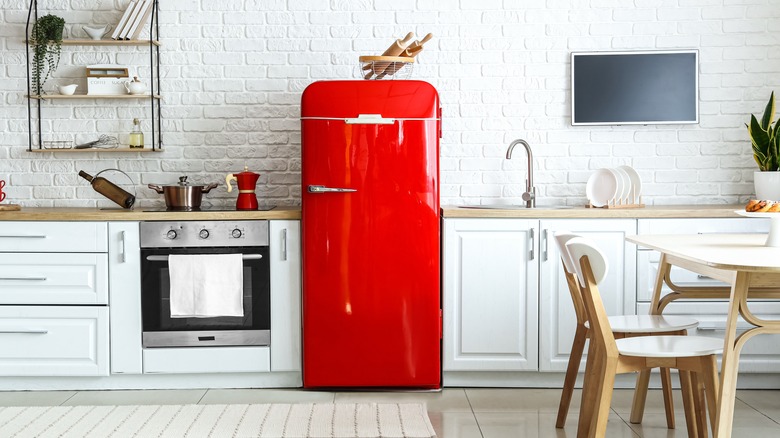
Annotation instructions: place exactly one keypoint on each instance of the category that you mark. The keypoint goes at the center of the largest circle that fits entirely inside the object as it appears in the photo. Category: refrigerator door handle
(369, 119)
(323, 189)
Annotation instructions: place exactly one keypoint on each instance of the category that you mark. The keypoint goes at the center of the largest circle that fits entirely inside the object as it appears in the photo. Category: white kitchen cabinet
(54, 318)
(557, 321)
(124, 269)
(490, 285)
(53, 341)
(285, 250)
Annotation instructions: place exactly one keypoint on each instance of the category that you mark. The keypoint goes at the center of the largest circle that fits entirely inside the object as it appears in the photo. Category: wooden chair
(693, 356)
(622, 327)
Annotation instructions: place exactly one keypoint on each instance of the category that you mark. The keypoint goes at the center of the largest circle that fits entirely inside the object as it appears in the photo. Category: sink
(516, 207)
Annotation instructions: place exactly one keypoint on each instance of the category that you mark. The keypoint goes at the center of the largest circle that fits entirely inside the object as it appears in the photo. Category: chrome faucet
(530, 191)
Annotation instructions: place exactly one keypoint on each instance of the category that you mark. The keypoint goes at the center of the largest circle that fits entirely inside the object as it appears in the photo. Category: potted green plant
(46, 41)
(765, 139)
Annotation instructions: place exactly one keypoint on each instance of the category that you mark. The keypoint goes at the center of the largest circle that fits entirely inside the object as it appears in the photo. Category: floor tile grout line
(68, 399)
(757, 410)
(473, 414)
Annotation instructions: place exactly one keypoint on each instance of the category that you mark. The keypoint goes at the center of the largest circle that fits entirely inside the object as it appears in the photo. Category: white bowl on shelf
(601, 188)
(67, 90)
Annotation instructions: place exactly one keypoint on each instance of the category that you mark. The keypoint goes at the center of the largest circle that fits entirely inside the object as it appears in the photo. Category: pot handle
(209, 187)
(156, 188)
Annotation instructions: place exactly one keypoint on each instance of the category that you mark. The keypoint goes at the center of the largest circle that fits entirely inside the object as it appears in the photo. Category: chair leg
(688, 404)
(640, 396)
(666, 385)
(577, 347)
(700, 408)
(594, 370)
(709, 366)
(598, 426)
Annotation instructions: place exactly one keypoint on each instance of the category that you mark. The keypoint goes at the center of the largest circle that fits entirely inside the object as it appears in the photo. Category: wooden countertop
(95, 214)
(650, 211)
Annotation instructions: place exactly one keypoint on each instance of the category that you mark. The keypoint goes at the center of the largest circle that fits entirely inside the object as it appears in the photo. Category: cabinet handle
(124, 253)
(164, 258)
(26, 332)
(544, 245)
(703, 277)
(284, 244)
(24, 278)
(29, 236)
(533, 242)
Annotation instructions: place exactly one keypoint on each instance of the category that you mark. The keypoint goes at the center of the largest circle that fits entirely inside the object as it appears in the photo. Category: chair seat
(650, 323)
(669, 346)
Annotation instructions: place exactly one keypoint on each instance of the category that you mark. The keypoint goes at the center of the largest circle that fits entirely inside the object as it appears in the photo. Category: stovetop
(206, 209)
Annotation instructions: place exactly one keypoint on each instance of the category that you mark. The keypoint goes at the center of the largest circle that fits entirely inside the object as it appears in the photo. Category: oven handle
(164, 258)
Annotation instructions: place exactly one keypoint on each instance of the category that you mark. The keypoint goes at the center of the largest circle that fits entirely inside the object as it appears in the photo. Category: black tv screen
(652, 87)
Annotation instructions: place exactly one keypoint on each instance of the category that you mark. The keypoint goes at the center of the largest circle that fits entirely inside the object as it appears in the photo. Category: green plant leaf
(769, 113)
(759, 139)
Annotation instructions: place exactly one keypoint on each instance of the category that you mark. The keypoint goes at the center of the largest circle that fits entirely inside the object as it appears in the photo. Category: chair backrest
(591, 268)
(570, 272)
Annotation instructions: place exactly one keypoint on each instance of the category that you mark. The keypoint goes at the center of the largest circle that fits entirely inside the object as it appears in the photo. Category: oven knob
(236, 233)
(171, 234)
(204, 234)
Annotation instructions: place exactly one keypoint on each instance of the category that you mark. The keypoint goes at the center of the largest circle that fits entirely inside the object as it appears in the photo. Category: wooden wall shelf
(92, 96)
(114, 150)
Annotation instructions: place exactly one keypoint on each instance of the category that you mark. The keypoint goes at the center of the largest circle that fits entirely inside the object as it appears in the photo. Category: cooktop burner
(207, 209)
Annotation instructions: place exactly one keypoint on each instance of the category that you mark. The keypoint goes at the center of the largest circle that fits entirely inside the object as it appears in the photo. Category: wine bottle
(109, 190)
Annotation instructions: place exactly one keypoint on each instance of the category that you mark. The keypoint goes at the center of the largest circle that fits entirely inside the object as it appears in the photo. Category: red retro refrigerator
(370, 221)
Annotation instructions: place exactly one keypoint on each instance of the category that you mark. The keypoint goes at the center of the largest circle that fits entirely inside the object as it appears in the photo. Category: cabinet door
(557, 320)
(53, 341)
(490, 295)
(285, 252)
(124, 266)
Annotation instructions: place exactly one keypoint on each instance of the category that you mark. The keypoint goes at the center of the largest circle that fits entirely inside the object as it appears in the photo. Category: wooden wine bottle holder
(630, 202)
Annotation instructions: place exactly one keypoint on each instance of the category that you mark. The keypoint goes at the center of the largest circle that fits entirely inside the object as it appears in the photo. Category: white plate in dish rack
(601, 187)
(636, 183)
(623, 184)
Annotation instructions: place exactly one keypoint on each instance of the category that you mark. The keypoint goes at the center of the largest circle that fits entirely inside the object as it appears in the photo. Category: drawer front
(647, 271)
(53, 341)
(53, 237)
(45, 278)
(207, 360)
(761, 354)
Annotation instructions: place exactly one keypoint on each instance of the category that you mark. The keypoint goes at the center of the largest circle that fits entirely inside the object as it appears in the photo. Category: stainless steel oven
(159, 240)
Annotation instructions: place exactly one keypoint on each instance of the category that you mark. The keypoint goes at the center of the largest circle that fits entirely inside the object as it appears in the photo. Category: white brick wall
(233, 72)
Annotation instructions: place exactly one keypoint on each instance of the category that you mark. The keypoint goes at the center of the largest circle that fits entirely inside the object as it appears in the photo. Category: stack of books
(133, 20)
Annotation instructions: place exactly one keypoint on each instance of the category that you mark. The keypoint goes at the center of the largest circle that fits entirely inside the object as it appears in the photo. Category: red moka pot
(247, 182)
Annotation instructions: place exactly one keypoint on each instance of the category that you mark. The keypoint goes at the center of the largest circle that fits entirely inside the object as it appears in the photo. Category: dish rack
(385, 67)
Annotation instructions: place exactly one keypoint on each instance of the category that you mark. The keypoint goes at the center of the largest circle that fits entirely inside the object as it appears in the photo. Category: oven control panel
(204, 234)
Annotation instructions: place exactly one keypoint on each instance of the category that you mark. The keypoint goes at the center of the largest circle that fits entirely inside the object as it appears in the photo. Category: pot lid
(246, 172)
(184, 183)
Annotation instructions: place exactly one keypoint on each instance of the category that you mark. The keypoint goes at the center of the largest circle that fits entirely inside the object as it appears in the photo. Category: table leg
(663, 268)
(730, 362)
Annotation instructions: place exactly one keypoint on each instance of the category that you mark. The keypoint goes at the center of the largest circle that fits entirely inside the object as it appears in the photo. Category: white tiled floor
(454, 412)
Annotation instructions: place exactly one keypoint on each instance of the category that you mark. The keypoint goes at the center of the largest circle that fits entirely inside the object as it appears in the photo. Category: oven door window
(155, 298)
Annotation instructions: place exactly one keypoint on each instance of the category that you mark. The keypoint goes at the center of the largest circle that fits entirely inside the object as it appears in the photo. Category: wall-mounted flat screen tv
(638, 87)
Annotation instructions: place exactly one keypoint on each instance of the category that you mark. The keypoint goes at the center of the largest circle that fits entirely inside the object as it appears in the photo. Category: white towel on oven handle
(206, 285)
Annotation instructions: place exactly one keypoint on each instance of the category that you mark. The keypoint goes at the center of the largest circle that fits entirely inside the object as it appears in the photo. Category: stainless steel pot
(183, 196)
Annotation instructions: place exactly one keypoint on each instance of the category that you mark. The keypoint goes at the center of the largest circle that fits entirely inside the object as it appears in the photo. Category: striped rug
(342, 420)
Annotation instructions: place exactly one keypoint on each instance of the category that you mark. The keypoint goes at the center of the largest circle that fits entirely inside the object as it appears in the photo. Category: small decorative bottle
(136, 136)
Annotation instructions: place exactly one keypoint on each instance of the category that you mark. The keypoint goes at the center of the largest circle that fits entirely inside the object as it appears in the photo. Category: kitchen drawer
(647, 271)
(29, 278)
(761, 354)
(53, 237)
(53, 341)
(207, 360)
